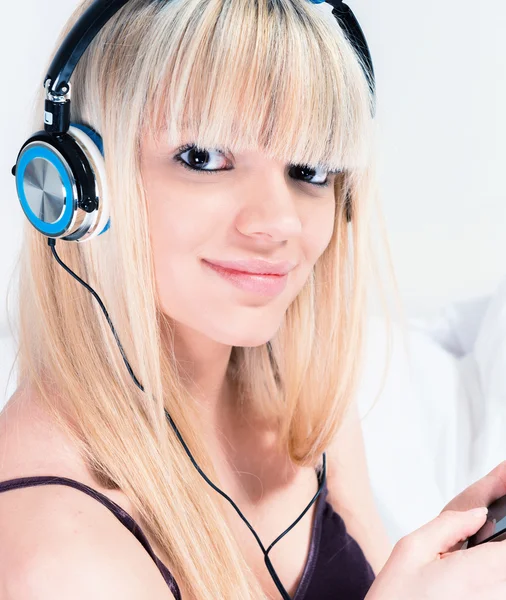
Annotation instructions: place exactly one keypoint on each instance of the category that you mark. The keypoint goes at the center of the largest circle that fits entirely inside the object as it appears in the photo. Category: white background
(441, 80)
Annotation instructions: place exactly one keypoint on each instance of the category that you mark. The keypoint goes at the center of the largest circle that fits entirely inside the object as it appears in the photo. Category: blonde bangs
(274, 75)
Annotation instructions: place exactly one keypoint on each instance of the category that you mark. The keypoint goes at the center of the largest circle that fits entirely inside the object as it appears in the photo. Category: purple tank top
(335, 567)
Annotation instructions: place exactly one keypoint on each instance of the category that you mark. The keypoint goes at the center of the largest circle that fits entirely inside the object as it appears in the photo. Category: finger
(490, 556)
(486, 531)
(483, 492)
(439, 535)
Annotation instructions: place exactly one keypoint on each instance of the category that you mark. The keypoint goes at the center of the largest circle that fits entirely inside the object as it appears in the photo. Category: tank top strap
(117, 511)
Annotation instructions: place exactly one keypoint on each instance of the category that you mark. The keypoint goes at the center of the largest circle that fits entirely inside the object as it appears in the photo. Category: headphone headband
(76, 43)
(101, 11)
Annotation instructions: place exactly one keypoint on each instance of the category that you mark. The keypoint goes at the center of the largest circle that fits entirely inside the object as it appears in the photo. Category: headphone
(62, 187)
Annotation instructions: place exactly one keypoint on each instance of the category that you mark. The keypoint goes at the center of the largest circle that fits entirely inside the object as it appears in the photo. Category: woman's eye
(195, 159)
(305, 172)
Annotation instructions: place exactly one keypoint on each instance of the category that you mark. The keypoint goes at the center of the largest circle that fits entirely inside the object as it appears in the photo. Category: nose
(269, 210)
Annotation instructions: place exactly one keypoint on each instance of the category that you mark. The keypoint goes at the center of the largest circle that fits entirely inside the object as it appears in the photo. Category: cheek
(318, 235)
(176, 237)
(178, 220)
(173, 231)
(182, 227)
(174, 240)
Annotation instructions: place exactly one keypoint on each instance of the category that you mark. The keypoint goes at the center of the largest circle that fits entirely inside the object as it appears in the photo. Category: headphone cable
(321, 478)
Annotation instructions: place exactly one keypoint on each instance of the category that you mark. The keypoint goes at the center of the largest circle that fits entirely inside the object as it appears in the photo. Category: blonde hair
(271, 74)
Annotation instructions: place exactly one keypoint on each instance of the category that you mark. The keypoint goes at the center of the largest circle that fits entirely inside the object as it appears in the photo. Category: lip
(258, 283)
(255, 266)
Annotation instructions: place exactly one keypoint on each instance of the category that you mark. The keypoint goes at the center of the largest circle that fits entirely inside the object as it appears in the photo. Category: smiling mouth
(258, 283)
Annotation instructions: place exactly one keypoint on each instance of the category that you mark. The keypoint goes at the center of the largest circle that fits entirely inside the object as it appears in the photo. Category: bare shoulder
(56, 541)
(57, 546)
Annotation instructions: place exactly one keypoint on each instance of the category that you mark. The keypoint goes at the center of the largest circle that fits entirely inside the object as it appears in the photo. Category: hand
(427, 563)
(481, 493)
(421, 567)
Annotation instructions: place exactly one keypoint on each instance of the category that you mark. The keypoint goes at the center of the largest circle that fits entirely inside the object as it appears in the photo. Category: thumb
(439, 535)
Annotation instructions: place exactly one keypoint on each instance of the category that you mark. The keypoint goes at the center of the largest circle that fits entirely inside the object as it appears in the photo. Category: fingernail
(478, 512)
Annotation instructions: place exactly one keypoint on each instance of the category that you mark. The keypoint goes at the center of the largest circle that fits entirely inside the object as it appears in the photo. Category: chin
(248, 339)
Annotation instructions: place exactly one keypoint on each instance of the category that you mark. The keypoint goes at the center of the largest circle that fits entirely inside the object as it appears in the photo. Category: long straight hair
(276, 75)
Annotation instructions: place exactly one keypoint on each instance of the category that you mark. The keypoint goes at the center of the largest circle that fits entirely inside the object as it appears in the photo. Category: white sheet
(440, 422)
(409, 434)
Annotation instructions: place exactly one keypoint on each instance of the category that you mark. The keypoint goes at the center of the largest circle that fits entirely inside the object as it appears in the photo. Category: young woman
(238, 137)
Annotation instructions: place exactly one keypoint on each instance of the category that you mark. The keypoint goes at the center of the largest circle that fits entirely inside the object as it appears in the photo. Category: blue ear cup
(61, 184)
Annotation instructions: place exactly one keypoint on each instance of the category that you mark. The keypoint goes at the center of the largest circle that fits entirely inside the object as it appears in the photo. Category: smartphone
(494, 529)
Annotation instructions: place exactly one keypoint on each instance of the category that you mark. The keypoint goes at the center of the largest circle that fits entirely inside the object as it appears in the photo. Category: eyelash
(184, 149)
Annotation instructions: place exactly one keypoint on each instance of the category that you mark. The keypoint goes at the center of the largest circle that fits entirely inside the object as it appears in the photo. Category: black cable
(321, 478)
